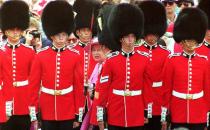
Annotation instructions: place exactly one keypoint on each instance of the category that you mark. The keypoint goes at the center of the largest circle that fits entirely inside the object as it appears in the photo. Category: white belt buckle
(57, 92)
(15, 84)
(127, 92)
(189, 96)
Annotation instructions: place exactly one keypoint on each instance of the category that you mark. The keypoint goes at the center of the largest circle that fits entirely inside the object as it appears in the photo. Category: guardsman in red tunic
(55, 72)
(154, 28)
(2, 101)
(204, 47)
(16, 64)
(86, 29)
(186, 77)
(124, 85)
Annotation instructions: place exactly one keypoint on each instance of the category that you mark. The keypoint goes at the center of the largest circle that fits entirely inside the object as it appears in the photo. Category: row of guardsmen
(138, 87)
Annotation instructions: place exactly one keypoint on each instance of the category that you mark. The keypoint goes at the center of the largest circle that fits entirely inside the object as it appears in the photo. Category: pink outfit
(93, 79)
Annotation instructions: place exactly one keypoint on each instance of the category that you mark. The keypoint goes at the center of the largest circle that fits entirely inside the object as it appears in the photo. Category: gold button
(127, 86)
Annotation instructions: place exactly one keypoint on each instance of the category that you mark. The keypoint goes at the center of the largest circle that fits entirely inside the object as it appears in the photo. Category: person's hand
(7, 118)
(35, 125)
(164, 125)
(29, 38)
(76, 124)
(101, 125)
(146, 120)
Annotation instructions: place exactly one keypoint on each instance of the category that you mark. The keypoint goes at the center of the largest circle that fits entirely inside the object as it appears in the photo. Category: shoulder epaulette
(42, 49)
(143, 53)
(113, 54)
(174, 54)
(73, 50)
(202, 56)
(27, 46)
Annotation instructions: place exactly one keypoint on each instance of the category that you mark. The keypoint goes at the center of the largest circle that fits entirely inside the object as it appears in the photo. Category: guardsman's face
(60, 39)
(207, 37)
(84, 34)
(128, 40)
(189, 46)
(13, 35)
(151, 39)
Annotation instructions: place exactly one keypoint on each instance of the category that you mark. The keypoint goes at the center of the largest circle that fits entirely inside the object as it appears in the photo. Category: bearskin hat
(104, 35)
(14, 14)
(87, 12)
(155, 20)
(205, 6)
(191, 24)
(125, 19)
(57, 17)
